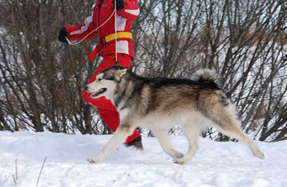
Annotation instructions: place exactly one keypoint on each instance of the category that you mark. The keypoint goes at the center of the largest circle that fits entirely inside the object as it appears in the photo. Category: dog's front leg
(118, 138)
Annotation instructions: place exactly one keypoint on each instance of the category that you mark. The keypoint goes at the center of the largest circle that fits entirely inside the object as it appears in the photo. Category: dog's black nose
(86, 88)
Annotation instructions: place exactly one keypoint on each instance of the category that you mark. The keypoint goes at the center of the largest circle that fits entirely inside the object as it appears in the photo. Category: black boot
(137, 143)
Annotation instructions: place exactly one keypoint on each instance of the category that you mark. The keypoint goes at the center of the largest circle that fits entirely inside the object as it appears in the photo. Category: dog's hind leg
(234, 131)
(162, 136)
(117, 139)
(192, 134)
(226, 121)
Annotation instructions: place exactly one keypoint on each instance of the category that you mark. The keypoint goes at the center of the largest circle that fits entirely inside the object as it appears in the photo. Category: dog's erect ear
(122, 72)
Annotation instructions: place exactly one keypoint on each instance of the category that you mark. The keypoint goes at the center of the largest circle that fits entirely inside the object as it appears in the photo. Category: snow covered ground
(226, 164)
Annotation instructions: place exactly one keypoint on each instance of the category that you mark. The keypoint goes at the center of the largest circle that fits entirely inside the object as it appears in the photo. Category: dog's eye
(100, 79)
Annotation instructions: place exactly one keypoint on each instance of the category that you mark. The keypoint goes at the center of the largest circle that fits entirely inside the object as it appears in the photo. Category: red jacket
(101, 12)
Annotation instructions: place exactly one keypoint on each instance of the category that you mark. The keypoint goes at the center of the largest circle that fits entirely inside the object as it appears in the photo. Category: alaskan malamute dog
(160, 103)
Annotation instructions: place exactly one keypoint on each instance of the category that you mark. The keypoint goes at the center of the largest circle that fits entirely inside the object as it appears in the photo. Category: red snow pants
(106, 109)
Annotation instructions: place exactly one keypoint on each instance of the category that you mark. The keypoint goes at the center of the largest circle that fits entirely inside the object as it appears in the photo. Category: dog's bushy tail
(207, 76)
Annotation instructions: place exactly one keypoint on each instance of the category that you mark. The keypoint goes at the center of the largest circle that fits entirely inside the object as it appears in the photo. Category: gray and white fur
(160, 103)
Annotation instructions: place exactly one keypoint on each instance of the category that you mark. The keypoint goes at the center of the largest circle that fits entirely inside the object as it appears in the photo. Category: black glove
(120, 4)
(62, 35)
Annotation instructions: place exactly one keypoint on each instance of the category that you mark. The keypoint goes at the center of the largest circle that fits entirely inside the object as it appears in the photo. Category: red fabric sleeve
(79, 32)
(130, 11)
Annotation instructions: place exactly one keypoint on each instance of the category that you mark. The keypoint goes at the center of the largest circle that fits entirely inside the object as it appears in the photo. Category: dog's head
(106, 82)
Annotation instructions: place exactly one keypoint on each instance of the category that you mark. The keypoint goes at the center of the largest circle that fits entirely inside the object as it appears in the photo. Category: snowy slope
(217, 164)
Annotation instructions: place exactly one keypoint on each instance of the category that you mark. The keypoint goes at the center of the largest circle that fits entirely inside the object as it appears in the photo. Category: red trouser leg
(106, 109)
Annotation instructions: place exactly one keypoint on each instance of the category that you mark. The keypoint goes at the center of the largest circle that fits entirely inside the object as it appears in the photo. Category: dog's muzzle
(96, 94)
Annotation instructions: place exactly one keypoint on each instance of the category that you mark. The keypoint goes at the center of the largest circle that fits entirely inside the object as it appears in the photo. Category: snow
(220, 164)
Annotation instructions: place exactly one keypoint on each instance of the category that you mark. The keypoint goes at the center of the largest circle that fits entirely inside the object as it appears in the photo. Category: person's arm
(79, 32)
(128, 9)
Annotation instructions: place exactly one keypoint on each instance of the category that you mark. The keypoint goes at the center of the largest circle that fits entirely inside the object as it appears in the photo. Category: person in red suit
(115, 44)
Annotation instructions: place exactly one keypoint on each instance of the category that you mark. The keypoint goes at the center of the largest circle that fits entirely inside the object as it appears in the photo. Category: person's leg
(112, 120)
(106, 109)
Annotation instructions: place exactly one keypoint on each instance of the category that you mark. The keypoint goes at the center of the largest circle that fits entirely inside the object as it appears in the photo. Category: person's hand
(62, 35)
(120, 4)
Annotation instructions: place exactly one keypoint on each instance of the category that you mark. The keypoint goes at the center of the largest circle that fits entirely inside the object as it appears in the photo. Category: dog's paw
(179, 161)
(259, 154)
(178, 155)
(92, 160)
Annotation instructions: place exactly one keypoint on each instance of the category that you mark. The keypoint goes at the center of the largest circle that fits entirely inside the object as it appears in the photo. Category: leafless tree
(245, 41)
(41, 78)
